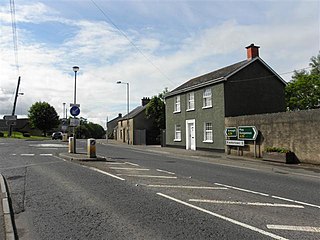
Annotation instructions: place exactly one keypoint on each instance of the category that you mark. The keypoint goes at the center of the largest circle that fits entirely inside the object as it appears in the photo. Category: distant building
(111, 127)
(196, 110)
(140, 129)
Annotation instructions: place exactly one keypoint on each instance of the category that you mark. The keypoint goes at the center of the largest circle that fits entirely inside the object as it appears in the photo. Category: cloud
(50, 44)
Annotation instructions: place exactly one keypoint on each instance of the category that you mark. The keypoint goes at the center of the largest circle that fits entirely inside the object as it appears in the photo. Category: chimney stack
(120, 115)
(145, 101)
(252, 51)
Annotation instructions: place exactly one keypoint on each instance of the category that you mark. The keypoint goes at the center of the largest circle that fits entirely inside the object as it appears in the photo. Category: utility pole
(14, 105)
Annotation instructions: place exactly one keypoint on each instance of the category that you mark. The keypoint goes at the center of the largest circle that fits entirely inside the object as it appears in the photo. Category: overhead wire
(132, 43)
(14, 35)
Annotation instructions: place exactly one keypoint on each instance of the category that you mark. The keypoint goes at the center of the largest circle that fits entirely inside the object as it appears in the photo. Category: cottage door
(190, 134)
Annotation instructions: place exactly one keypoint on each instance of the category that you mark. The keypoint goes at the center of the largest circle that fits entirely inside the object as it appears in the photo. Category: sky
(152, 45)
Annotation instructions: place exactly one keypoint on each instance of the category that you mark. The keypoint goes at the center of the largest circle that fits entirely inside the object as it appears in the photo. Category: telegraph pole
(14, 105)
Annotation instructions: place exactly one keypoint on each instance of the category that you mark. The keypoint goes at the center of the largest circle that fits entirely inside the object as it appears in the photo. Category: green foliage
(43, 116)
(277, 149)
(89, 130)
(1, 134)
(156, 110)
(303, 92)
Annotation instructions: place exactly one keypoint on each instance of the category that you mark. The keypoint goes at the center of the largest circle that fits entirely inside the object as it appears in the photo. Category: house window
(177, 104)
(207, 98)
(208, 134)
(190, 101)
(177, 132)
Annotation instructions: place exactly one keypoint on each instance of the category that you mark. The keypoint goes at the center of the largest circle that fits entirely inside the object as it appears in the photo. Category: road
(140, 194)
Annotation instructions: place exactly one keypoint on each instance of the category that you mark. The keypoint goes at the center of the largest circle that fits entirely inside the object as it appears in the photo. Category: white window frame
(190, 101)
(177, 104)
(177, 133)
(206, 131)
(207, 98)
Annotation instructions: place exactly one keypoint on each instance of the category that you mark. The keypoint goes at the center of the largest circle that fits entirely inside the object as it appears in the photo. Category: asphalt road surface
(138, 194)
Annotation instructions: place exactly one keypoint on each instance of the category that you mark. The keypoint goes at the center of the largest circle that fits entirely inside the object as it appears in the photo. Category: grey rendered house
(196, 110)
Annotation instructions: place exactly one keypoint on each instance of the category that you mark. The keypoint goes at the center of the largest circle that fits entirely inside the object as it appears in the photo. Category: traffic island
(81, 157)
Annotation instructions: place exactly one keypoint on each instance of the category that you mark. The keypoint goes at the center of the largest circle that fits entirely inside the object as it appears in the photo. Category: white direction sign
(10, 117)
(238, 143)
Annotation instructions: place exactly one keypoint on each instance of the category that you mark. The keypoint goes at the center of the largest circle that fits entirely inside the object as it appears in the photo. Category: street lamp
(75, 69)
(119, 82)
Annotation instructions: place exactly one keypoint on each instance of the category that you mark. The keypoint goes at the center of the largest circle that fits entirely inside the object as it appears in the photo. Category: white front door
(191, 134)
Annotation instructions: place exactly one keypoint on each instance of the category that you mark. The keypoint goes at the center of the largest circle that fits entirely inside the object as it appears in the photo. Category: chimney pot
(120, 115)
(252, 51)
(145, 101)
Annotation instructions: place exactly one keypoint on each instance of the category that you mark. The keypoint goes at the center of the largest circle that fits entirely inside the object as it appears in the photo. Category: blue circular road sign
(75, 111)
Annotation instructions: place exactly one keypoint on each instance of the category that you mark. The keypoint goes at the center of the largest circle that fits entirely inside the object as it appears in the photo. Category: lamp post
(119, 82)
(75, 69)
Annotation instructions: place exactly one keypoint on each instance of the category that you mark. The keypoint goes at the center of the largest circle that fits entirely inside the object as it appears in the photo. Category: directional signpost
(231, 132)
(247, 133)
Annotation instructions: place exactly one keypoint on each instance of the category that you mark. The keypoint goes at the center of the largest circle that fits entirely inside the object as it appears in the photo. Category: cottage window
(177, 132)
(208, 134)
(207, 98)
(190, 101)
(177, 104)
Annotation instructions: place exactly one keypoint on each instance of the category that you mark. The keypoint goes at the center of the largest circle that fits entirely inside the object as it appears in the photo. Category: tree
(156, 110)
(43, 116)
(303, 92)
(89, 130)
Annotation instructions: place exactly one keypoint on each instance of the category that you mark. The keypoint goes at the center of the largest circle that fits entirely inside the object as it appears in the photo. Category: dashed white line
(243, 190)
(164, 171)
(115, 163)
(146, 176)
(130, 169)
(295, 228)
(106, 173)
(133, 164)
(46, 154)
(188, 187)
(27, 154)
(246, 203)
(274, 236)
(302, 203)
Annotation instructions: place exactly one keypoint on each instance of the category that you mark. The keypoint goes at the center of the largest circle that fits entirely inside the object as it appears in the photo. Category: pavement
(6, 222)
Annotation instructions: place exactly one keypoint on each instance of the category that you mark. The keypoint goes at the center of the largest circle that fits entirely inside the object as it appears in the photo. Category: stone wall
(297, 131)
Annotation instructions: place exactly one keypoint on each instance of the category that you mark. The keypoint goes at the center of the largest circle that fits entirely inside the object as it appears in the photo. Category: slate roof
(134, 112)
(217, 75)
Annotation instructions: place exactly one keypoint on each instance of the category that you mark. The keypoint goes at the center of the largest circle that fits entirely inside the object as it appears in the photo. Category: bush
(277, 149)
(26, 134)
(1, 134)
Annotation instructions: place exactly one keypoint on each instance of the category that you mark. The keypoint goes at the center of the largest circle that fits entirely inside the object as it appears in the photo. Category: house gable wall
(254, 90)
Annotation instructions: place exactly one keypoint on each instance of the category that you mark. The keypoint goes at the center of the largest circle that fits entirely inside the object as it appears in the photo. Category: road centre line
(164, 171)
(146, 176)
(290, 200)
(27, 154)
(243, 190)
(134, 169)
(295, 228)
(246, 203)
(274, 236)
(46, 154)
(48, 148)
(115, 163)
(187, 187)
(133, 164)
(106, 173)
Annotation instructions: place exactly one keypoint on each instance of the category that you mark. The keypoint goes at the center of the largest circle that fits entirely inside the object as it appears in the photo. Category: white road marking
(115, 163)
(146, 176)
(130, 169)
(27, 154)
(133, 164)
(164, 171)
(243, 190)
(274, 236)
(106, 173)
(45, 154)
(246, 203)
(187, 187)
(302, 203)
(48, 148)
(295, 228)
(54, 145)
(13, 154)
